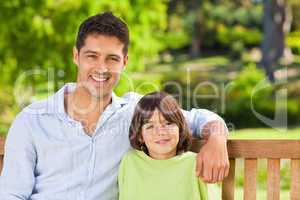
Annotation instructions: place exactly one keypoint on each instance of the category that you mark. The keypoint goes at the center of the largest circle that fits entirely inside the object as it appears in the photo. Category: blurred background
(240, 59)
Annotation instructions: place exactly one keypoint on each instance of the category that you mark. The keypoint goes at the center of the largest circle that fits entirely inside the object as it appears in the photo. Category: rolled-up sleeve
(17, 177)
(198, 118)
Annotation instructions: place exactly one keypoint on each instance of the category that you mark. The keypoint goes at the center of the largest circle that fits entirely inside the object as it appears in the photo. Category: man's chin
(97, 92)
(101, 95)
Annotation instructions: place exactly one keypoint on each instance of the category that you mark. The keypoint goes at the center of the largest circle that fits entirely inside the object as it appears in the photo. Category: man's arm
(17, 176)
(212, 160)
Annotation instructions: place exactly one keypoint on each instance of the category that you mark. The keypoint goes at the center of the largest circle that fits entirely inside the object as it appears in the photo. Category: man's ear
(125, 61)
(75, 56)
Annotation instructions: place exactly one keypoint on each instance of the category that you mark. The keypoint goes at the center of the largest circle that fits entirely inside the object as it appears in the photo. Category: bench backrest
(251, 150)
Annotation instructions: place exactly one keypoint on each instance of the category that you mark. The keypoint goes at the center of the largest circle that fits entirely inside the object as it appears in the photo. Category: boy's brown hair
(170, 110)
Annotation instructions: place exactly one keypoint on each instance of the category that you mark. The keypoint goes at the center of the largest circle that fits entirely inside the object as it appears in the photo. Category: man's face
(100, 62)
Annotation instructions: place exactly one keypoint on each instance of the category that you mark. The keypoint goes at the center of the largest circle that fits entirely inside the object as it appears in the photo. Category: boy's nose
(160, 130)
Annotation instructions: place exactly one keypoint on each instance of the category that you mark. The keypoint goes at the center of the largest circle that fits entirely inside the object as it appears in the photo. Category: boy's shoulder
(131, 153)
(132, 156)
(189, 156)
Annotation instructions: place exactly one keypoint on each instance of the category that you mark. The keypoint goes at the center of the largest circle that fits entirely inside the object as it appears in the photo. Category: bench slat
(228, 183)
(250, 171)
(273, 179)
(264, 149)
(295, 179)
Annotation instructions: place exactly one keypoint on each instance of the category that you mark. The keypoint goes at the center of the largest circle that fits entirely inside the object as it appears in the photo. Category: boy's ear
(141, 140)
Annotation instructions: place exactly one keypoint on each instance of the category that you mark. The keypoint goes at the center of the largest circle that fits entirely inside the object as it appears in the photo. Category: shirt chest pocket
(114, 138)
(60, 159)
(54, 158)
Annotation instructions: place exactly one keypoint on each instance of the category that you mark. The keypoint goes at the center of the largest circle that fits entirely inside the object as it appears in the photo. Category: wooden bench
(251, 151)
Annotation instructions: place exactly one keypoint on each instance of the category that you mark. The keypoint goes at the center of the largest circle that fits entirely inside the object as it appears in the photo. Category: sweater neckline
(172, 159)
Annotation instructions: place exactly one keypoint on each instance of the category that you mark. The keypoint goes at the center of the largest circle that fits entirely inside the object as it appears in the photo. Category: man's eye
(114, 59)
(91, 56)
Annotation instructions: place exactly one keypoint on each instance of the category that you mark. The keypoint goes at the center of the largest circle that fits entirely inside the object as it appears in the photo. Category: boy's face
(100, 62)
(160, 136)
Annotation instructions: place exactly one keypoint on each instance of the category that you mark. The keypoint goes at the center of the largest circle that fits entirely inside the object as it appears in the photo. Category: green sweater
(144, 178)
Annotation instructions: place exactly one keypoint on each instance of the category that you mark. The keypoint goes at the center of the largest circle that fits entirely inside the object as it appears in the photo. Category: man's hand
(212, 160)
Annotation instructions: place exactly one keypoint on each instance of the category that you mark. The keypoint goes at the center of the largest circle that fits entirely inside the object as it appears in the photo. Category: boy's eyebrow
(150, 121)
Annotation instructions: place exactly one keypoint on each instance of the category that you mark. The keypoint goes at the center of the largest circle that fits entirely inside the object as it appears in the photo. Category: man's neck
(81, 106)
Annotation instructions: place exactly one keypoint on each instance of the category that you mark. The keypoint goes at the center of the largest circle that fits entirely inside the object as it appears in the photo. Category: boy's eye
(149, 127)
(168, 124)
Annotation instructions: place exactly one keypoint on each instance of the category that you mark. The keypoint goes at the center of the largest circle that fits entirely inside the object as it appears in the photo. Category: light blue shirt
(48, 156)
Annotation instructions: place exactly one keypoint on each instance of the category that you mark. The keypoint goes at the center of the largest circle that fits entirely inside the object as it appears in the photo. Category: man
(69, 146)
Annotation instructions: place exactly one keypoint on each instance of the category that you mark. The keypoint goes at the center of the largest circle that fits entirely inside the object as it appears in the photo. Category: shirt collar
(55, 103)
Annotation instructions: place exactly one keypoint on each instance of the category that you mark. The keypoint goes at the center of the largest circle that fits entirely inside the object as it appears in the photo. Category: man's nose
(101, 66)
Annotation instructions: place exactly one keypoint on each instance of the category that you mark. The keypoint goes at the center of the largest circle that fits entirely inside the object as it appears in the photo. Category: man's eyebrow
(90, 51)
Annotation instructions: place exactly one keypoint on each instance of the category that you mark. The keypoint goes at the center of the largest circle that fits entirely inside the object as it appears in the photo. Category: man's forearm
(214, 134)
(215, 129)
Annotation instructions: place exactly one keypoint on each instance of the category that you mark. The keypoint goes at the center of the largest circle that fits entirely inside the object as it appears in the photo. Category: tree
(275, 24)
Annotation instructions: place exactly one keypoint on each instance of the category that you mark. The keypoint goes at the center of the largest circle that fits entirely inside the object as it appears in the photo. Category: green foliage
(8, 108)
(42, 34)
(252, 88)
(176, 36)
(232, 14)
(137, 82)
(227, 23)
(249, 90)
(228, 35)
(242, 94)
(293, 41)
(219, 26)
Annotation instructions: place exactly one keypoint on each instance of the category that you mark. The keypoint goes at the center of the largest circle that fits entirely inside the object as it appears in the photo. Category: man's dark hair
(103, 24)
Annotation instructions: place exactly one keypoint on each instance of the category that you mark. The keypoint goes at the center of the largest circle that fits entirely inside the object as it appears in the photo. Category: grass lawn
(261, 194)
(214, 191)
(266, 133)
